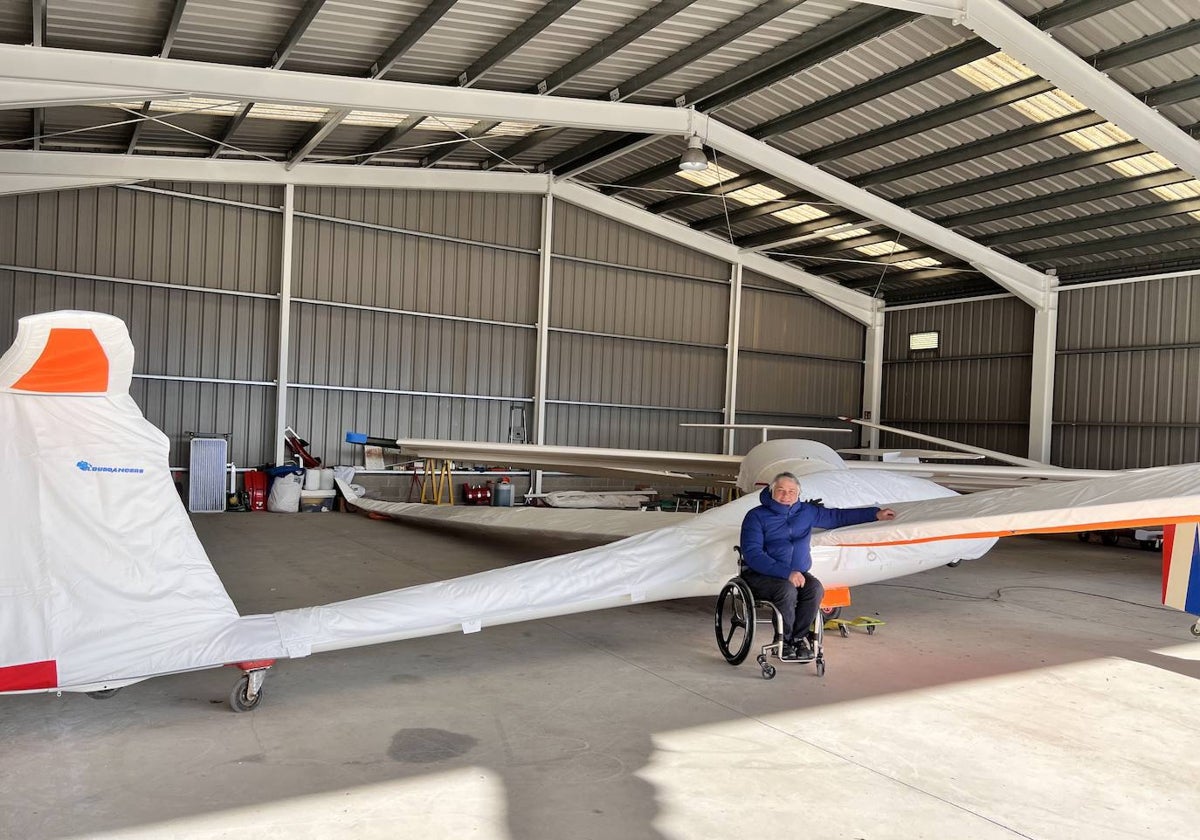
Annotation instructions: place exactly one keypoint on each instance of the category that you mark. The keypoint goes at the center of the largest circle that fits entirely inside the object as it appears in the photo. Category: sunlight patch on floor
(462, 803)
(1104, 748)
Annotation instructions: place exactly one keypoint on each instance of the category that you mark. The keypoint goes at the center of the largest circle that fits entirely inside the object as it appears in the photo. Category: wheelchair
(737, 615)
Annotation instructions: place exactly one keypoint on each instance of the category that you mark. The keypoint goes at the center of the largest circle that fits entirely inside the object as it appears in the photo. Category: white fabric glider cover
(101, 577)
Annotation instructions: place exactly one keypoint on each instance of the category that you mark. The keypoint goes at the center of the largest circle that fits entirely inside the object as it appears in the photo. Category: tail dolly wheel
(248, 692)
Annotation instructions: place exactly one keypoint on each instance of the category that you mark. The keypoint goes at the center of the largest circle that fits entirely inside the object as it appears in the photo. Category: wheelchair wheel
(734, 621)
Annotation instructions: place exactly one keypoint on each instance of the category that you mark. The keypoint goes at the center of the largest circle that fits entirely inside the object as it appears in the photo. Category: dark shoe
(804, 650)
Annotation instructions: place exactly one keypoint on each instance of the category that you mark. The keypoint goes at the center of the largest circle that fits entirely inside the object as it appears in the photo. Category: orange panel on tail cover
(72, 362)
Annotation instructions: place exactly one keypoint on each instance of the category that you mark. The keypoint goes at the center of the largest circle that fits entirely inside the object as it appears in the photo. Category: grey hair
(787, 475)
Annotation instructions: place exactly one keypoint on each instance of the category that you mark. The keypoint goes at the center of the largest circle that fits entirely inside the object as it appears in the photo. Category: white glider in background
(103, 582)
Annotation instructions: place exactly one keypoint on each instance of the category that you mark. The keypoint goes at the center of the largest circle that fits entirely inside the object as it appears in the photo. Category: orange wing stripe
(72, 362)
(1060, 529)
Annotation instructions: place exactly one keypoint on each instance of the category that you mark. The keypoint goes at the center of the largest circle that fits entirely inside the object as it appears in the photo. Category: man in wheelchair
(775, 550)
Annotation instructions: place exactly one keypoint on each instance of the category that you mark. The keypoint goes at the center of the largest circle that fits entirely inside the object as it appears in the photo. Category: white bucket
(312, 479)
(326, 478)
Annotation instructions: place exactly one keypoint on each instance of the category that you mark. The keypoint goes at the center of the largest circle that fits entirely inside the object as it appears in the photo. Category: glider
(103, 582)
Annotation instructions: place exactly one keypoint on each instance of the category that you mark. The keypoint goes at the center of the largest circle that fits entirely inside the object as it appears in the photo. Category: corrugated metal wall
(1127, 385)
(431, 328)
(414, 314)
(799, 361)
(168, 251)
(976, 388)
(638, 337)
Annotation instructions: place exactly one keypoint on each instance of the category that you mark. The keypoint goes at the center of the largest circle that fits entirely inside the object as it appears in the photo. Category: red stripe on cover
(29, 676)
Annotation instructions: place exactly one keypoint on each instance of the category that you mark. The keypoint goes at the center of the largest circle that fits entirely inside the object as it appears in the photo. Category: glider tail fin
(1181, 567)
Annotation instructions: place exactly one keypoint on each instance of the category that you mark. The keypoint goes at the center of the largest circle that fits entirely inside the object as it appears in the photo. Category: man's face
(786, 492)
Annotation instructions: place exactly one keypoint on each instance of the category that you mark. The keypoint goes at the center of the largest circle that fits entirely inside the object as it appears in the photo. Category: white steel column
(731, 352)
(285, 316)
(543, 329)
(872, 400)
(1041, 391)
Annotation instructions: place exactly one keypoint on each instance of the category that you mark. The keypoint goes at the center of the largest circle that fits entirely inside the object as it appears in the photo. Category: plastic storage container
(317, 501)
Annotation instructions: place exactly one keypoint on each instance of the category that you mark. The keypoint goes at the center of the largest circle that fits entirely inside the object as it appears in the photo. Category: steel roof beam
(395, 51)
(1029, 285)
(518, 38)
(849, 29)
(168, 40)
(391, 137)
(624, 36)
(165, 168)
(173, 77)
(1007, 178)
(290, 39)
(1000, 25)
(1144, 49)
(857, 306)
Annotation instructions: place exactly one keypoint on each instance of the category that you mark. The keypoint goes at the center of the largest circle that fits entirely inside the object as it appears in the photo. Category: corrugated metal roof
(347, 37)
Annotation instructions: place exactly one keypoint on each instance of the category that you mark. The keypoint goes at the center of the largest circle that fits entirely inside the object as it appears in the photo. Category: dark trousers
(797, 604)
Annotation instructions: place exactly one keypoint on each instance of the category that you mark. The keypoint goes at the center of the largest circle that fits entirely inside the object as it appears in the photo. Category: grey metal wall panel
(246, 412)
(361, 349)
(607, 299)
(999, 325)
(580, 233)
(791, 387)
(792, 322)
(798, 359)
(976, 390)
(348, 264)
(501, 219)
(958, 390)
(142, 236)
(597, 369)
(1126, 392)
(630, 428)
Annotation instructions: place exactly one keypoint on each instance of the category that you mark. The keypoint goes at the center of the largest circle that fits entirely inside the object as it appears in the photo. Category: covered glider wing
(103, 581)
(1164, 495)
(681, 467)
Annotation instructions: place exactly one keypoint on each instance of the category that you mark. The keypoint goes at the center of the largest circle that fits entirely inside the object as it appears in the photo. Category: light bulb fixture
(693, 159)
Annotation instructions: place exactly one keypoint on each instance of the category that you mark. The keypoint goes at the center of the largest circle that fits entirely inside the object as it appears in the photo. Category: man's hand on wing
(885, 513)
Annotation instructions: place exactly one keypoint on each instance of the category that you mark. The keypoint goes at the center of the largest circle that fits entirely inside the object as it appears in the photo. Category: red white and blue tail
(1181, 567)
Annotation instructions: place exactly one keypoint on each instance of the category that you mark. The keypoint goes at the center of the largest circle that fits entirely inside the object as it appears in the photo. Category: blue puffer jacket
(775, 537)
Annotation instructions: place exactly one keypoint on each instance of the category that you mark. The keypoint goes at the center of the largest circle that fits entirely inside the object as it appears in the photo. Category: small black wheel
(1196, 629)
(831, 613)
(1108, 539)
(733, 621)
(820, 667)
(1083, 536)
(239, 699)
(954, 564)
(768, 672)
(103, 694)
(1150, 545)
(842, 629)
(870, 629)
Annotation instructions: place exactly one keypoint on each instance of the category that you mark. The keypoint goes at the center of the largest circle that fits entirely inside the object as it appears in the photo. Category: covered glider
(103, 582)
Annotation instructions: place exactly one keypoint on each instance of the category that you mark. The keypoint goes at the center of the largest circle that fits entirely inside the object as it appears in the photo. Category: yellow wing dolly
(843, 625)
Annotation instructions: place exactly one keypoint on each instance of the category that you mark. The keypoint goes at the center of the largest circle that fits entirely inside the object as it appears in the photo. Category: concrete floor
(1040, 692)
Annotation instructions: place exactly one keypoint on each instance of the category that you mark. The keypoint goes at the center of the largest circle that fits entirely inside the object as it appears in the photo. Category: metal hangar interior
(583, 223)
